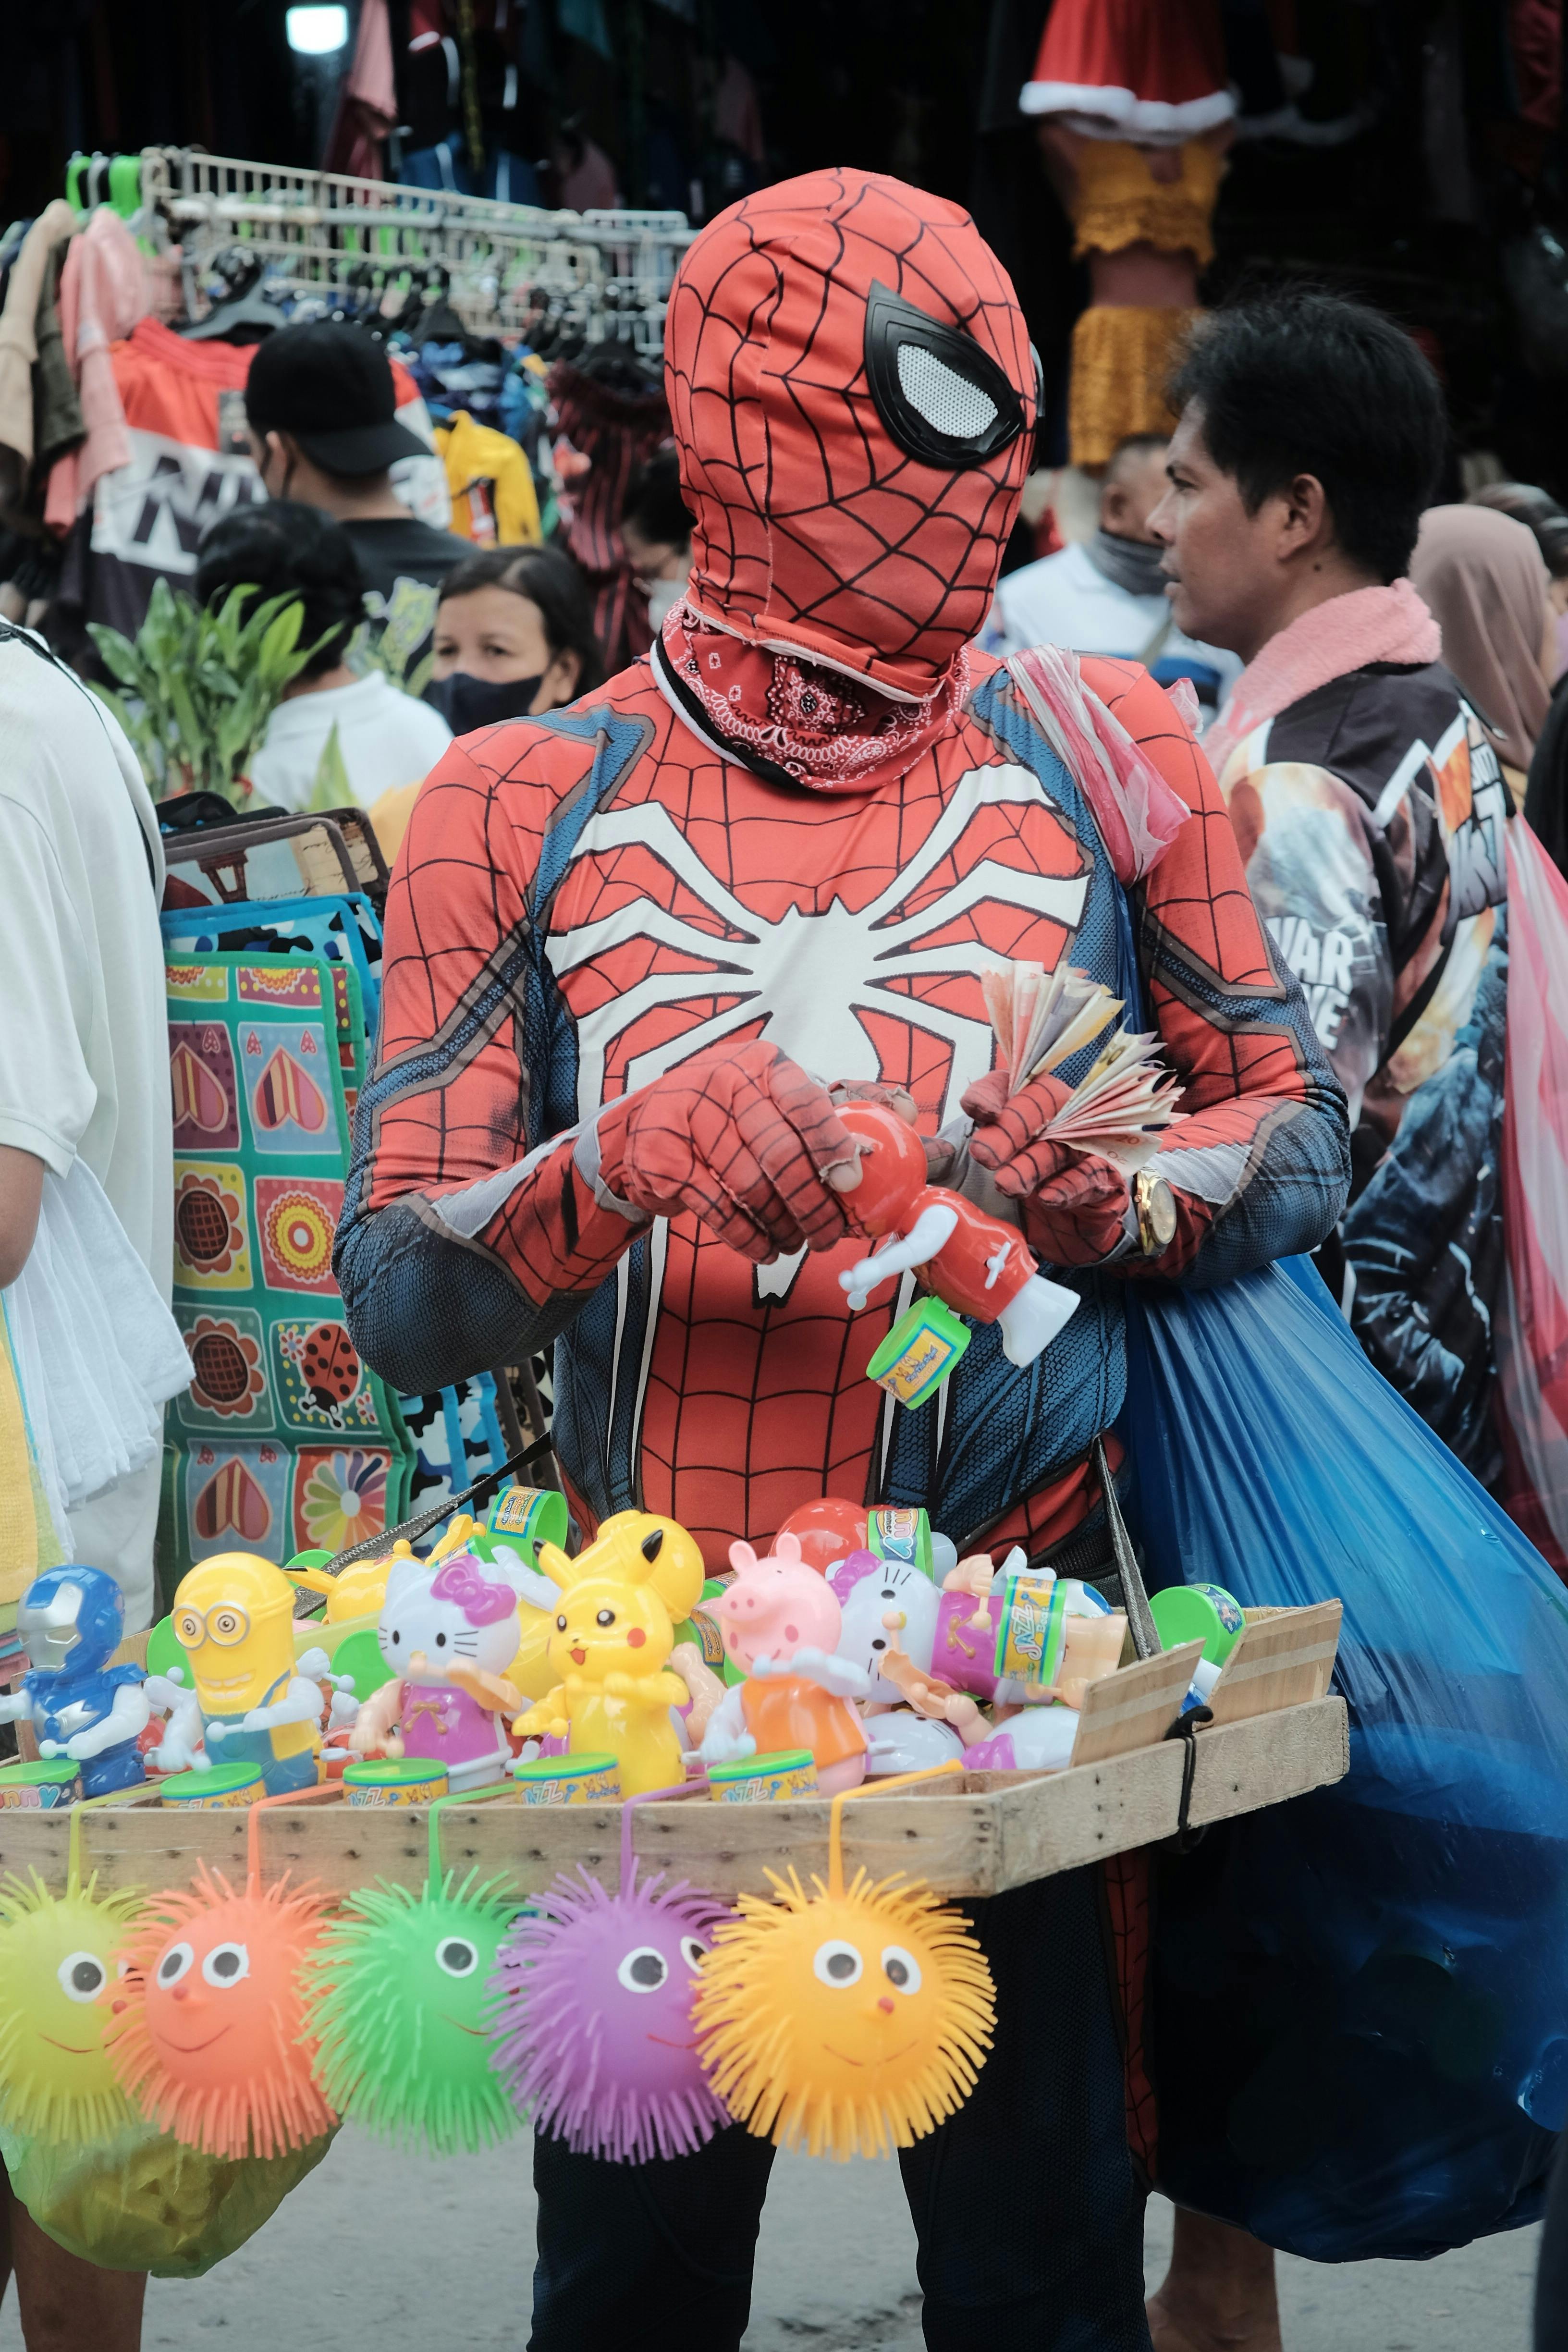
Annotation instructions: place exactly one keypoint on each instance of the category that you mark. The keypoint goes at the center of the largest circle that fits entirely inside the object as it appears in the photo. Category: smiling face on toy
(454, 1614)
(234, 1617)
(776, 1606)
(401, 1988)
(870, 1591)
(209, 2041)
(57, 1979)
(604, 1627)
(845, 2023)
(594, 2026)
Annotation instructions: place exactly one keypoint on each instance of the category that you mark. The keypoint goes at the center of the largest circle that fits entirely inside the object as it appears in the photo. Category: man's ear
(1306, 521)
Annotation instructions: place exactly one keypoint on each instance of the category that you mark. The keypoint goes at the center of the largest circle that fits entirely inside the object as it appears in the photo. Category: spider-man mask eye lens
(944, 401)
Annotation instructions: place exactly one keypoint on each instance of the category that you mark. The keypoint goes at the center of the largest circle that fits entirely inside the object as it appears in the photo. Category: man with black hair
(655, 524)
(384, 739)
(1108, 596)
(322, 407)
(1370, 808)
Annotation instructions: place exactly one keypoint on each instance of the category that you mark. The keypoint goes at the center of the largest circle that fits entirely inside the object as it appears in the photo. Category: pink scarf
(1368, 625)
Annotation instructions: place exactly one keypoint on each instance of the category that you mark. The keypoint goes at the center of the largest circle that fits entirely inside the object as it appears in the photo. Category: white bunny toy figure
(447, 1634)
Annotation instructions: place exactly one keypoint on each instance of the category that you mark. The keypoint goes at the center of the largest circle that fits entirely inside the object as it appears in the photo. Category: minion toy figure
(247, 1702)
(72, 1619)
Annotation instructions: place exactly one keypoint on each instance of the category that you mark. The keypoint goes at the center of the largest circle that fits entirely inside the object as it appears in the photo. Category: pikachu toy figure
(609, 1649)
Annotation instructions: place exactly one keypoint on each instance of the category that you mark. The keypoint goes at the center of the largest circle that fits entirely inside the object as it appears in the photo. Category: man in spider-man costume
(633, 951)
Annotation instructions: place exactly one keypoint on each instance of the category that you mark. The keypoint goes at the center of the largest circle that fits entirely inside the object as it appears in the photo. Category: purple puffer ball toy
(592, 2021)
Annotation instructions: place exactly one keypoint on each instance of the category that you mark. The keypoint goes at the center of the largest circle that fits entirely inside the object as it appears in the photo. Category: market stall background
(1411, 150)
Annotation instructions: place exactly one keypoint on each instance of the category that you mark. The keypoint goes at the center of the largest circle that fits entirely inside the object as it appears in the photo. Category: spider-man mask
(854, 398)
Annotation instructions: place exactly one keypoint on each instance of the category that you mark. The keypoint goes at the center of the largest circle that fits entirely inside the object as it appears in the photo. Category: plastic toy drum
(40, 1785)
(1198, 1612)
(569, 1781)
(394, 1781)
(900, 1534)
(214, 1792)
(763, 1780)
(1031, 1627)
(529, 1515)
(919, 1351)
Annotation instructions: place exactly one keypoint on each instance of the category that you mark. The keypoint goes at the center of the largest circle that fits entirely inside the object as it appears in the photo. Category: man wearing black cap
(320, 407)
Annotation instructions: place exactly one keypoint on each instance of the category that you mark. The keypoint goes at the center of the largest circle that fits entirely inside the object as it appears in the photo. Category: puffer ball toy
(58, 1981)
(399, 1992)
(210, 2043)
(593, 2018)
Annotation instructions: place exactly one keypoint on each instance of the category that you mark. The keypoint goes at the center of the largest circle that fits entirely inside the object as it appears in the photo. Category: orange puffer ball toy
(210, 2040)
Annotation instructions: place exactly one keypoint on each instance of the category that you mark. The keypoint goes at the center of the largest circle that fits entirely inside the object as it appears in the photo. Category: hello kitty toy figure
(883, 1601)
(971, 1261)
(781, 1622)
(447, 1634)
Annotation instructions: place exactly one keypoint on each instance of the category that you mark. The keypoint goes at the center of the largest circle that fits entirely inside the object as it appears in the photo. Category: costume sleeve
(1259, 1162)
(474, 1227)
(1305, 841)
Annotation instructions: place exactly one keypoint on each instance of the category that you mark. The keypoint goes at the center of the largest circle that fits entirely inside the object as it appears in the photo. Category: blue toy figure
(72, 1621)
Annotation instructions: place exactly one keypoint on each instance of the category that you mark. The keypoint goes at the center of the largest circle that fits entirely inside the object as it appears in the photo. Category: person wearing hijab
(1483, 579)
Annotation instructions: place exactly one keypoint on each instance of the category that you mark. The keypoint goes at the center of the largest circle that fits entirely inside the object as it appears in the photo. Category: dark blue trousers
(1029, 2221)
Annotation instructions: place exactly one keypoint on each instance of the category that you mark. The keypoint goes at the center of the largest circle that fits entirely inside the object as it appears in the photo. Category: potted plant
(199, 685)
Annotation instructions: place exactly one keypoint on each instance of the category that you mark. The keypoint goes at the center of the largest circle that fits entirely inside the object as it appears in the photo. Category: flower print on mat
(228, 1383)
(340, 1496)
(212, 1246)
(297, 1217)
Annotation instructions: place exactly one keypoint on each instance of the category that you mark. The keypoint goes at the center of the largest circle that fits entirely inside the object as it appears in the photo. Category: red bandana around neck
(792, 721)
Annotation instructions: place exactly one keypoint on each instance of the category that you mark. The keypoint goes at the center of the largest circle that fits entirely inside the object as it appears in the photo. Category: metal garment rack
(501, 265)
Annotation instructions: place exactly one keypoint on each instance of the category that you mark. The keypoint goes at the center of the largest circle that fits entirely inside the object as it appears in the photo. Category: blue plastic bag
(1360, 1999)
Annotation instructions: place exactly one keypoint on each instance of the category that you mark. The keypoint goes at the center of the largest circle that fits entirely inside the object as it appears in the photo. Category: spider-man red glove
(739, 1137)
(1074, 1204)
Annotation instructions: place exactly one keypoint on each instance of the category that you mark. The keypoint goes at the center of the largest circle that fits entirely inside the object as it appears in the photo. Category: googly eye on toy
(210, 2042)
(58, 1978)
(592, 2014)
(850, 2022)
(399, 1995)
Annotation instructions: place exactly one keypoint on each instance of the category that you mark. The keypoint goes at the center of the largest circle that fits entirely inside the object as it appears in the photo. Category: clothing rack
(502, 267)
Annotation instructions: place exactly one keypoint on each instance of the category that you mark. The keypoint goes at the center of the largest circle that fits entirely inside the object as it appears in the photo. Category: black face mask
(466, 703)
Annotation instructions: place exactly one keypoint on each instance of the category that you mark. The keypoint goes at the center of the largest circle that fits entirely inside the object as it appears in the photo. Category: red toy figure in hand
(973, 1262)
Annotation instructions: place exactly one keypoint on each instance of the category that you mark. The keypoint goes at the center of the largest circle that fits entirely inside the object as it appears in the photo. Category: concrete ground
(377, 2253)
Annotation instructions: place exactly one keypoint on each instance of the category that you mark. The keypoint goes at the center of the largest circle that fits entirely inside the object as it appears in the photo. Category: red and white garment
(1149, 70)
(190, 463)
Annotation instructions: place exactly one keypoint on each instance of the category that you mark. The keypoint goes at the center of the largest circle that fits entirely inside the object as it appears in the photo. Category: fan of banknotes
(1043, 1018)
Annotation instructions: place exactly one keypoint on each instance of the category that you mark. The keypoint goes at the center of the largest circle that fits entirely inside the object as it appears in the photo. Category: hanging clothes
(19, 348)
(494, 502)
(189, 463)
(611, 419)
(103, 293)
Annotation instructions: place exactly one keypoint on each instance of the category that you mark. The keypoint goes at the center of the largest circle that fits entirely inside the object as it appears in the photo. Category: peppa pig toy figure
(971, 1261)
(781, 1623)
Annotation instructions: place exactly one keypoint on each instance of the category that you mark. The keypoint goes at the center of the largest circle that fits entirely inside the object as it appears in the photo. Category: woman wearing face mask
(514, 637)
(655, 525)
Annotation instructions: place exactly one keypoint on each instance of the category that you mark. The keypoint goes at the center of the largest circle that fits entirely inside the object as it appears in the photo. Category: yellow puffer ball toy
(57, 1981)
(848, 2022)
(59, 1988)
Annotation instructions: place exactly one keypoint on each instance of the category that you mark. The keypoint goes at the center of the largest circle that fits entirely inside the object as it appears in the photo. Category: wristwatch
(1154, 1205)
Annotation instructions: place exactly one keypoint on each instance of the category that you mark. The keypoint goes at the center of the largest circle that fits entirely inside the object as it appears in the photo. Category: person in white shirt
(1108, 596)
(384, 738)
(87, 1210)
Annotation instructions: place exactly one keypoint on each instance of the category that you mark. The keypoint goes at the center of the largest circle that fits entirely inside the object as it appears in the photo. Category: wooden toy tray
(1275, 1734)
